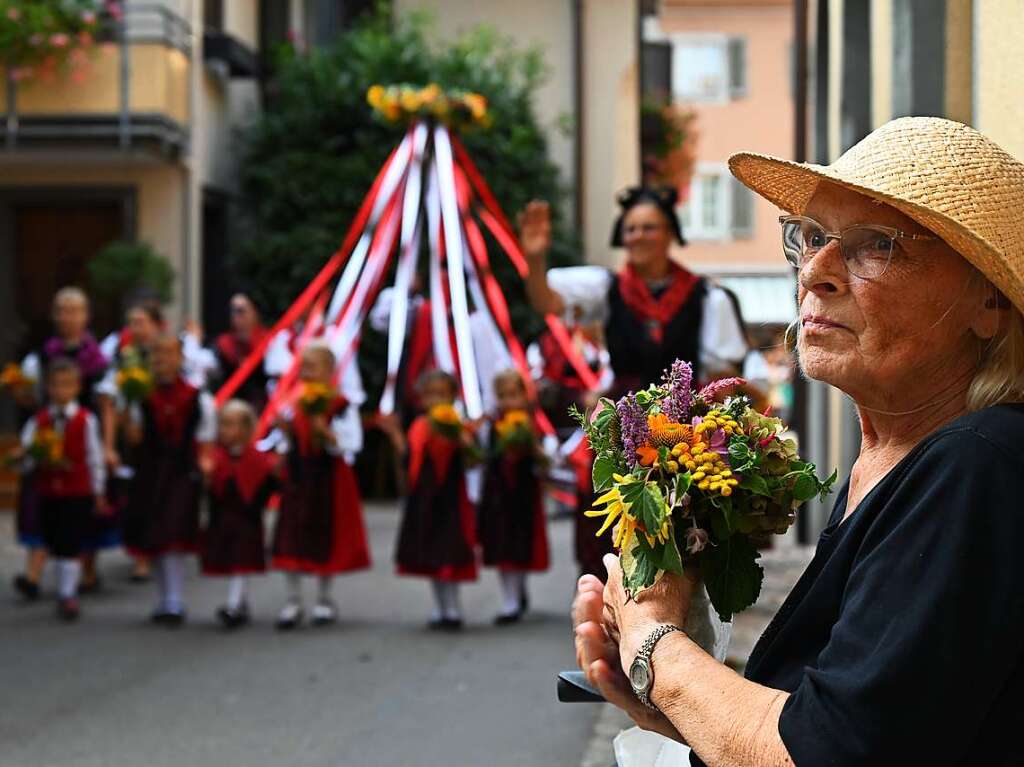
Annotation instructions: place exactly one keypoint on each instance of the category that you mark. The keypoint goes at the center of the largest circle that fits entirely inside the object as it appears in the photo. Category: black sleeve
(932, 620)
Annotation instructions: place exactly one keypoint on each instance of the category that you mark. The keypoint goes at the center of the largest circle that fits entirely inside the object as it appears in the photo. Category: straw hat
(944, 175)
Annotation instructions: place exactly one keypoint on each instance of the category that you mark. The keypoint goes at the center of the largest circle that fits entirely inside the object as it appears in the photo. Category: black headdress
(664, 199)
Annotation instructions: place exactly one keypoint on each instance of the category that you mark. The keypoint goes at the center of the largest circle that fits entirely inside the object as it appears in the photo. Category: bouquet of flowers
(407, 103)
(13, 378)
(47, 449)
(514, 431)
(316, 398)
(689, 478)
(134, 381)
(445, 421)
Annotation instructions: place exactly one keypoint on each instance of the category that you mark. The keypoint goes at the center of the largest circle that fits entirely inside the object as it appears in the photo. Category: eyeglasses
(867, 248)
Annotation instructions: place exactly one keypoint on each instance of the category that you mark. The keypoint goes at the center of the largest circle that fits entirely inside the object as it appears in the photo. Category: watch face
(640, 675)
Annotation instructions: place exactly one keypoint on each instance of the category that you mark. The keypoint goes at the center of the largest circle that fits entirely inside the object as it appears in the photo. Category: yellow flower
(316, 397)
(476, 104)
(511, 422)
(430, 94)
(375, 96)
(617, 508)
(410, 100)
(12, 377)
(445, 414)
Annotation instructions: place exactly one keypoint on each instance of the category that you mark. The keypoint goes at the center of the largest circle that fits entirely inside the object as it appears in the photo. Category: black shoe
(28, 589)
(168, 619)
(67, 609)
(140, 578)
(233, 619)
(451, 624)
(507, 619)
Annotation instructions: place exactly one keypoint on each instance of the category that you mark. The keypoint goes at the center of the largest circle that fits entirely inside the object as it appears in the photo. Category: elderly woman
(903, 643)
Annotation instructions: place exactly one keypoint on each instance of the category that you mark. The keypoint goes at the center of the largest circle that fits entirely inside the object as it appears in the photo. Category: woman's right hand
(111, 457)
(597, 655)
(535, 233)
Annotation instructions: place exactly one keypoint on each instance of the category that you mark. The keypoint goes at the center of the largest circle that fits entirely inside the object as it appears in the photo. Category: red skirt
(320, 529)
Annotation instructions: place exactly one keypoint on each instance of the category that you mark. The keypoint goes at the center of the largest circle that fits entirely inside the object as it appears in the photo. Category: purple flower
(719, 444)
(710, 392)
(679, 380)
(632, 426)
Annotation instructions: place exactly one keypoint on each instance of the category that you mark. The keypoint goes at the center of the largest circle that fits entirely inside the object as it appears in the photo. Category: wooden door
(52, 245)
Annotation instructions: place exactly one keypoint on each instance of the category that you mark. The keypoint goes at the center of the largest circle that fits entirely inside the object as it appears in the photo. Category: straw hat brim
(791, 185)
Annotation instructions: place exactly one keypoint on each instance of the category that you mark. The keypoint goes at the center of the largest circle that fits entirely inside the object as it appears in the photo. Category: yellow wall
(159, 83)
(611, 119)
(999, 73)
(241, 19)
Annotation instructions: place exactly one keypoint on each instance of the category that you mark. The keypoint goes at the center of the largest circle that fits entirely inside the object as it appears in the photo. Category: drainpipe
(577, 84)
(191, 194)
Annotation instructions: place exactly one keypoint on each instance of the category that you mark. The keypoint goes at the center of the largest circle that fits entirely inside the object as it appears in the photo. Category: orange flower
(648, 455)
(666, 433)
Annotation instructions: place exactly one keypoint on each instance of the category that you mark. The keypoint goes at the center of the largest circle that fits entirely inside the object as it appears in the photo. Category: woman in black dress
(903, 643)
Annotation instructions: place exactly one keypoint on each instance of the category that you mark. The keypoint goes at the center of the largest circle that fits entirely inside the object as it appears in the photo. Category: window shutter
(737, 67)
(742, 208)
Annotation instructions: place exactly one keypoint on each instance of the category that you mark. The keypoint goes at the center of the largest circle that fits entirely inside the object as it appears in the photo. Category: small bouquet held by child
(134, 381)
(691, 479)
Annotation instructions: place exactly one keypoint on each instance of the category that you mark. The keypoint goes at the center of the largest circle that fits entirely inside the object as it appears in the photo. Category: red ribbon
(308, 295)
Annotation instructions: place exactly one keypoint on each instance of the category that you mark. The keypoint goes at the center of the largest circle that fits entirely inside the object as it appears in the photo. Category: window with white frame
(708, 68)
(718, 208)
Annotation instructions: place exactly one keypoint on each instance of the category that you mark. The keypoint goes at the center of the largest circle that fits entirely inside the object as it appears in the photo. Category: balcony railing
(135, 94)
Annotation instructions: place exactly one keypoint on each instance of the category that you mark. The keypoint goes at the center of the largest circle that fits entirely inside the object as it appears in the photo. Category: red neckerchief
(303, 427)
(656, 313)
(234, 349)
(249, 470)
(171, 404)
(425, 444)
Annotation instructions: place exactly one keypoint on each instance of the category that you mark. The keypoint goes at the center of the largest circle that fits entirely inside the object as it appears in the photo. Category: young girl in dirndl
(320, 529)
(239, 482)
(437, 538)
(513, 532)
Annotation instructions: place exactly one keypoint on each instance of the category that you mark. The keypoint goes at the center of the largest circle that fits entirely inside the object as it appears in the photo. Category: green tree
(311, 158)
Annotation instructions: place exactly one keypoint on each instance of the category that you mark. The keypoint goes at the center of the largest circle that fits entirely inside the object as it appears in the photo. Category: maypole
(429, 182)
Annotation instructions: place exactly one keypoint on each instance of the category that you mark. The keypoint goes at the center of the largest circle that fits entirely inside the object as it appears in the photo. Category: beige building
(590, 102)
(140, 148)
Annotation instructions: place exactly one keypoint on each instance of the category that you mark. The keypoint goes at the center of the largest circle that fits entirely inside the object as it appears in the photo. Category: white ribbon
(453, 237)
(410, 245)
(438, 303)
(389, 185)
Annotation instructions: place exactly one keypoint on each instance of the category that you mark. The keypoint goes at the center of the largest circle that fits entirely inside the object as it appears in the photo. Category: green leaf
(639, 570)
(604, 467)
(668, 558)
(731, 575)
(755, 483)
(805, 487)
(719, 526)
(649, 508)
(683, 482)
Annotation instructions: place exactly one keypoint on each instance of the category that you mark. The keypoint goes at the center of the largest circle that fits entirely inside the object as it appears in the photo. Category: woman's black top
(903, 641)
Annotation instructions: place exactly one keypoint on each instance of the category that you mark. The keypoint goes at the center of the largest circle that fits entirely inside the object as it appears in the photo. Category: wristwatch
(641, 673)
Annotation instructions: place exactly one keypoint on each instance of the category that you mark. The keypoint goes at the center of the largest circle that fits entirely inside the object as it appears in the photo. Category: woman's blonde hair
(1000, 376)
(241, 409)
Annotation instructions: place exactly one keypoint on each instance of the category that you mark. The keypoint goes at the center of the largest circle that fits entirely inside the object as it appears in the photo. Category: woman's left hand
(630, 621)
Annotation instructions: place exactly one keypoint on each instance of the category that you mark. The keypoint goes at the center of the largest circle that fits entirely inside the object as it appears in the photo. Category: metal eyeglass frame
(891, 231)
